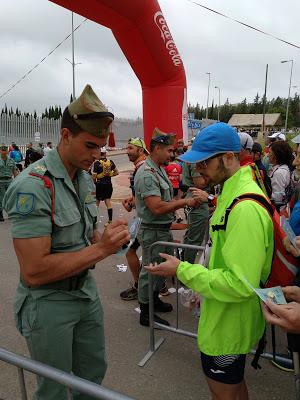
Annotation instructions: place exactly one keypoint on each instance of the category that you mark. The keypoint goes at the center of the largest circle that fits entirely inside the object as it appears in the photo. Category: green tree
(197, 111)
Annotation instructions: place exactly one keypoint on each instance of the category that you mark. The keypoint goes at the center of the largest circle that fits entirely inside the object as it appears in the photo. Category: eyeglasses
(203, 164)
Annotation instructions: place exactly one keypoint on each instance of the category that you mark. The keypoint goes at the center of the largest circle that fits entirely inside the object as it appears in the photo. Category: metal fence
(22, 130)
(154, 346)
(69, 381)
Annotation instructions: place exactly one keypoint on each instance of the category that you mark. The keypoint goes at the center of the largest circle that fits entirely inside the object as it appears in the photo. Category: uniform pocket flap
(93, 210)
(67, 217)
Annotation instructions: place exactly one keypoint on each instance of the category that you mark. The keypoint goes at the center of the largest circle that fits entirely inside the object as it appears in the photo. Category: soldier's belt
(157, 227)
(72, 283)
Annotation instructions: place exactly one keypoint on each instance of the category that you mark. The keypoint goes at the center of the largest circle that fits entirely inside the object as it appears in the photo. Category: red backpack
(284, 265)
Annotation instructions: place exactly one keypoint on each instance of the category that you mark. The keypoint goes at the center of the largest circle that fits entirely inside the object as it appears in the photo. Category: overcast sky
(235, 56)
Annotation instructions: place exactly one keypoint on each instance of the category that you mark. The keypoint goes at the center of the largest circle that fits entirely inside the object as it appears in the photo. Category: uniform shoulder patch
(40, 169)
(25, 203)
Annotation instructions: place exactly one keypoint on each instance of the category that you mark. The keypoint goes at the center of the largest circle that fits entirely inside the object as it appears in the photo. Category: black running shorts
(225, 369)
(103, 191)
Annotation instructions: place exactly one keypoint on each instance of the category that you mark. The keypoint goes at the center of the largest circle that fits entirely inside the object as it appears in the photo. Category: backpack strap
(49, 185)
(258, 178)
(261, 200)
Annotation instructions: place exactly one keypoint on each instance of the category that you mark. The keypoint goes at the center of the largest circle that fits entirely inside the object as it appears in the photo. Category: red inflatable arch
(145, 39)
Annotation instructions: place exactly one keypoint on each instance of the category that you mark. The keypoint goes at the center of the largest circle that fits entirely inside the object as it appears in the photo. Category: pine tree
(197, 111)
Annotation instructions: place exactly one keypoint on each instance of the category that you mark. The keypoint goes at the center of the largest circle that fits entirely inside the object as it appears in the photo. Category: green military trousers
(67, 333)
(3, 188)
(146, 238)
(197, 226)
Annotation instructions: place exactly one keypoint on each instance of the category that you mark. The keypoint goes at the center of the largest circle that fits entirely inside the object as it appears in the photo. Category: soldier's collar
(55, 165)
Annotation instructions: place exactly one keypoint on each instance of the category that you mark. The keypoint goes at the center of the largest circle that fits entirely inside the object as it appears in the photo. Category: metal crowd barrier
(154, 346)
(68, 380)
(152, 324)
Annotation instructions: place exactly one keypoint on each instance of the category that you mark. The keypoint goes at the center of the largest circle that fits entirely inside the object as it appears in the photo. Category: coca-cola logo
(167, 38)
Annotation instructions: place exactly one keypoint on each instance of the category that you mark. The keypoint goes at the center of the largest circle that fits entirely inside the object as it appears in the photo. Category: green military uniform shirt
(28, 205)
(7, 169)
(151, 180)
(188, 173)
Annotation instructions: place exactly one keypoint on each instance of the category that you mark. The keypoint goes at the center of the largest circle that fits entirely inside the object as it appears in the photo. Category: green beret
(90, 113)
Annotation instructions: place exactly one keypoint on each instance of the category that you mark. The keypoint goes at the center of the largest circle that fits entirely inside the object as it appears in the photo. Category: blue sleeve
(295, 219)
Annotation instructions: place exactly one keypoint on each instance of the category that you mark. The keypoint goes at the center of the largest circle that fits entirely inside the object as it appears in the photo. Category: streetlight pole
(288, 99)
(73, 57)
(217, 87)
(208, 87)
(264, 105)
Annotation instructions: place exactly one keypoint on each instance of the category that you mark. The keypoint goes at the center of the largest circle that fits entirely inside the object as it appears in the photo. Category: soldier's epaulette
(149, 169)
(39, 170)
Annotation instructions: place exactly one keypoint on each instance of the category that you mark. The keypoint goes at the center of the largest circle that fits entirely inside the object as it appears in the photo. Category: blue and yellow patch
(25, 203)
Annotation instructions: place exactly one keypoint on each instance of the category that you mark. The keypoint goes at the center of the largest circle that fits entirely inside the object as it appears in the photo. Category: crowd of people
(53, 209)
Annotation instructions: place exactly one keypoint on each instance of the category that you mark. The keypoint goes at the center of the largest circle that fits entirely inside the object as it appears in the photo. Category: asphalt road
(173, 373)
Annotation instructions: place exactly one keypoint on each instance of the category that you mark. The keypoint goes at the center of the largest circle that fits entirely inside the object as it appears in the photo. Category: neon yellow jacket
(231, 320)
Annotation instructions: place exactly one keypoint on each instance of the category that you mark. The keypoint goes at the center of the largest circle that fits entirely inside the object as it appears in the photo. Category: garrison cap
(90, 113)
(163, 138)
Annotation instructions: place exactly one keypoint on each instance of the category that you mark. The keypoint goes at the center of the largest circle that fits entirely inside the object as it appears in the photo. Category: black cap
(256, 148)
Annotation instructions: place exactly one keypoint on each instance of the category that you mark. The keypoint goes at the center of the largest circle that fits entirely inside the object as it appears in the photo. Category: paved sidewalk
(121, 186)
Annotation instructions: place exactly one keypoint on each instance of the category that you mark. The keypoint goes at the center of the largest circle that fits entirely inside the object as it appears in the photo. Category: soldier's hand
(128, 204)
(114, 236)
(166, 268)
(287, 316)
(290, 248)
(96, 237)
(193, 203)
(292, 293)
(199, 195)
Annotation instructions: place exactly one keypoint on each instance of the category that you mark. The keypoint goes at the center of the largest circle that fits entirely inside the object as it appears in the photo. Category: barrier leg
(152, 324)
(69, 394)
(177, 305)
(153, 346)
(22, 384)
(296, 374)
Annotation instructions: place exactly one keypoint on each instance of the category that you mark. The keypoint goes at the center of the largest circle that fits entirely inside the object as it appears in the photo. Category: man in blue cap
(231, 320)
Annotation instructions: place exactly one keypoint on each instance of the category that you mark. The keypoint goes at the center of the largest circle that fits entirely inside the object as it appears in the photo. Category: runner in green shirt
(231, 320)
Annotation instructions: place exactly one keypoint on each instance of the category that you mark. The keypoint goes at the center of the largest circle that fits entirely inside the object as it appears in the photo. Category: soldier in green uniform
(8, 169)
(197, 218)
(53, 212)
(156, 206)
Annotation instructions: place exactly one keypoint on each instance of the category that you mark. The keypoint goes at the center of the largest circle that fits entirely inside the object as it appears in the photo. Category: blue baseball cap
(214, 139)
